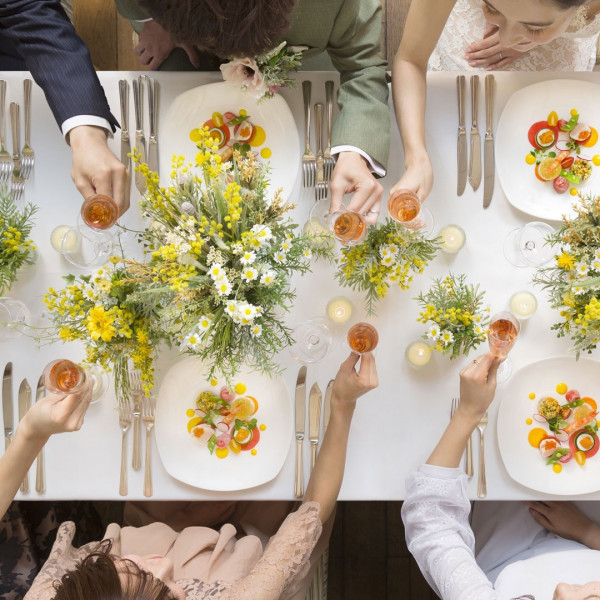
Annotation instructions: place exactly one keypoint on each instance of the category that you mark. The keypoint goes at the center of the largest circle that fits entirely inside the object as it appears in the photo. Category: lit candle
(339, 309)
(522, 304)
(453, 238)
(418, 354)
(63, 238)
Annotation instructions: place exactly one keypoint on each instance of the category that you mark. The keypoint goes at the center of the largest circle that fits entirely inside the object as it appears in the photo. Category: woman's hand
(156, 44)
(567, 521)
(418, 178)
(488, 53)
(478, 385)
(350, 384)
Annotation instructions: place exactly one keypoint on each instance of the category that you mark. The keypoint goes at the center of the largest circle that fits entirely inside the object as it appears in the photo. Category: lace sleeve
(435, 514)
(285, 560)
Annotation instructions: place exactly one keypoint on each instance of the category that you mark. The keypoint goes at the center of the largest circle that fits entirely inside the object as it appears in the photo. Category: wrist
(29, 433)
(417, 159)
(342, 406)
(469, 417)
(591, 536)
(82, 135)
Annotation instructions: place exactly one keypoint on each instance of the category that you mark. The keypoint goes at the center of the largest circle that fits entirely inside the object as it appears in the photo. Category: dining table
(396, 426)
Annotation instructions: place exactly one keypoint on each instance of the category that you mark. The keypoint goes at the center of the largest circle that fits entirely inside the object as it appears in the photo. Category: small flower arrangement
(102, 312)
(453, 313)
(390, 255)
(16, 249)
(220, 257)
(262, 76)
(573, 281)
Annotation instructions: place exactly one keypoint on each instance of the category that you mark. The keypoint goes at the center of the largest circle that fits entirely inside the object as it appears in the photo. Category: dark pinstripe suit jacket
(57, 58)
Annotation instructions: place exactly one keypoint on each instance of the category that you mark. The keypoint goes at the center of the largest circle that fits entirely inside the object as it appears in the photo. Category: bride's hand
(488, 53)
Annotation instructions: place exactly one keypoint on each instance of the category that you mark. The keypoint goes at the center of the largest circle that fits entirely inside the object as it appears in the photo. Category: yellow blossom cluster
(565, 261)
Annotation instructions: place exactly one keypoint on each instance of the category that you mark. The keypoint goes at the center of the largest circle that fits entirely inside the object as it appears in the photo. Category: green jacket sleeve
(355, 51)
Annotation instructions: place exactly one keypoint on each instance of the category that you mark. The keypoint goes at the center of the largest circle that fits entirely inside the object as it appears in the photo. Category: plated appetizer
(232, 131)
(225, 422)
(560, 151)
(569, 429)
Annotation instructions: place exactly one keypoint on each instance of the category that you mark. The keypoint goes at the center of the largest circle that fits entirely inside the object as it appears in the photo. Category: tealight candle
(418, 354)
(453, 238)
(522, 304)
(339, 309)
(63, 238)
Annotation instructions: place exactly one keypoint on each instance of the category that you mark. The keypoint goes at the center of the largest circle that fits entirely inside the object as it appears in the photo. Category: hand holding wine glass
(63, 376)
(502, 335)
(362, 338)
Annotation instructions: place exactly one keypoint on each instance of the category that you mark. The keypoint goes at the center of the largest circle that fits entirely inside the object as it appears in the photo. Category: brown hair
(227, 28)
(97, 578)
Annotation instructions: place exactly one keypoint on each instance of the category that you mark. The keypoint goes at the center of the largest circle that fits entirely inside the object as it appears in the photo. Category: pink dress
(208, 563)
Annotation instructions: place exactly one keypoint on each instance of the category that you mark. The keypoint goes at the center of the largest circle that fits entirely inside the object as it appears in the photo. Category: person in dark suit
(37, 36)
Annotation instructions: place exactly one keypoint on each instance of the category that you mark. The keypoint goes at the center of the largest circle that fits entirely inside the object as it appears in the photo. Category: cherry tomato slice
(567, 162)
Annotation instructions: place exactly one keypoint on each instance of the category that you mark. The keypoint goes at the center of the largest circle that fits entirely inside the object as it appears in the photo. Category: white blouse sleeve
(436, 519)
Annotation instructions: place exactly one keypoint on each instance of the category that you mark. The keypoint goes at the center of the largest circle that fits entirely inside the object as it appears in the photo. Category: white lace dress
(574, 50)
(208, 564)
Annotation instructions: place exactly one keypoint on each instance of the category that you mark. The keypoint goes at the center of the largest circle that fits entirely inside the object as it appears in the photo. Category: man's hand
(352, 175)
(489, 53)
(96, 170)
(156, 44)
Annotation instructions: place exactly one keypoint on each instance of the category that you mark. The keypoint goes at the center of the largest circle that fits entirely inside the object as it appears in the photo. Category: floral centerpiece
(454, 314)
(262, 76)
(220, 257)
(16, 248)
(390, 255)
(105, 313)
(573, 281)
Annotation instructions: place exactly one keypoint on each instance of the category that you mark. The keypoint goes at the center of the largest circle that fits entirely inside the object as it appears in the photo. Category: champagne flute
(405, 208)
(362, 338)
(80, 250)
(63, 376)
(526, 246)
(502, 335)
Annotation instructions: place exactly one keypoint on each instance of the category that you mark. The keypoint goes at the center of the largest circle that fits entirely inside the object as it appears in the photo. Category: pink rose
(245, 72)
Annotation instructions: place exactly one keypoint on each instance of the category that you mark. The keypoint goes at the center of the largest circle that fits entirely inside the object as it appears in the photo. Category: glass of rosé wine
(63, 376)
(503, 331)
(405, 208)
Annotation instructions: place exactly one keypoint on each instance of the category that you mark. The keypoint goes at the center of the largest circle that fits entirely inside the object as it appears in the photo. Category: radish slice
(222, 426)
(557, 146)
(566, 458)
(540, 418)
(562, 436)
(223, 440)
(200, 413)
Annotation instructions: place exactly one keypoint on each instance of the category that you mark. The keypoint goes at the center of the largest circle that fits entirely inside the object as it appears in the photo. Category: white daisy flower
(279, 257)
(285, 246)
(192, 340)
(581, 268)
(477, 318)
(597, 255)
(570, 276)
(231, 308)
(204, 323)
(307, 253)
(256, 330)
(595, 264)
(248, 258)
(249, 274)
(447, 337)
(479, 330)
(103, 285)
(388, 260)
(392, 248)
(267, 277)
(216, 271)
(223, 286)
(262, 233)
(247, 311)
(434, 332)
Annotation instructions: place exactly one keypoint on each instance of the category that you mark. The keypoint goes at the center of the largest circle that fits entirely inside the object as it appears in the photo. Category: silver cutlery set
(315, 408)
(142, 411)
(474, 163)
(317, 168)
(24, 403)
(16, 168)
(481, 481)
(130, 140)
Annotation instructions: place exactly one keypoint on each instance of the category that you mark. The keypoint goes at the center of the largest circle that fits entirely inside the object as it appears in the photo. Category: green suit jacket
(350, 32)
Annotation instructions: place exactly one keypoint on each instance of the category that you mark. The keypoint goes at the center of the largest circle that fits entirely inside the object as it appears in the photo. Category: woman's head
(102, 576)
(524, 24)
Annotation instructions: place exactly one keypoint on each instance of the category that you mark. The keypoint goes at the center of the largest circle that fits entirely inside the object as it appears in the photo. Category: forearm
(452, 444)
(328, 473)
(15, 463)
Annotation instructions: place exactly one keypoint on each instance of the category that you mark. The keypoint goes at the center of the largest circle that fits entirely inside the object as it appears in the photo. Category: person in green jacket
(195, 34)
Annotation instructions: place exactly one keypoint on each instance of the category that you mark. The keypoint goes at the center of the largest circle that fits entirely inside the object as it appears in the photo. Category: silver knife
(327, 404)
(300, 423)
(24, 404)
(125, 145)
(475, 149)
(40, 471)
(7, 405)
(140, 142)
(153, 89)
(314, 421)
(489, 170)
(461, 148)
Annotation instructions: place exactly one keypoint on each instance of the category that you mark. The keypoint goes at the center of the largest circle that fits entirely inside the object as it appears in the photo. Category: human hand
(96, 170)
(57, 413)
(350, 384)
(352, 175)
(156, 43)
(418, 178)
(489, 53)
(567, 521)
(478, 385)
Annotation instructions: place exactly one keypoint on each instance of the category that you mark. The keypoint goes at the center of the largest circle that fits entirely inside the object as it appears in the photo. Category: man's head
(227, 28)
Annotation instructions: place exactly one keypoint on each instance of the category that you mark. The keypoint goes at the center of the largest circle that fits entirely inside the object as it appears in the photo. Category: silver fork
(148, 410)
(329, 162)
(18, 183)
(481, 483)
(137, 392)
(453, 406)
(321, 187)
(309, 160)
(124, 424)
(5, 157)
(27, 155)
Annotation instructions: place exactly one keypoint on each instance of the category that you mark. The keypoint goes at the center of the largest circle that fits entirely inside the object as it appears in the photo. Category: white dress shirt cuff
(373, 164)
(85, 120)
(437, 472)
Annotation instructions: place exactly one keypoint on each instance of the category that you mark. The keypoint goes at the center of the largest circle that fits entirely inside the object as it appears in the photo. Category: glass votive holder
(522, 304)
(418, 354)
(79, 249)
(339, 309)
(14, 315)
(100, 382)
(453, 238)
